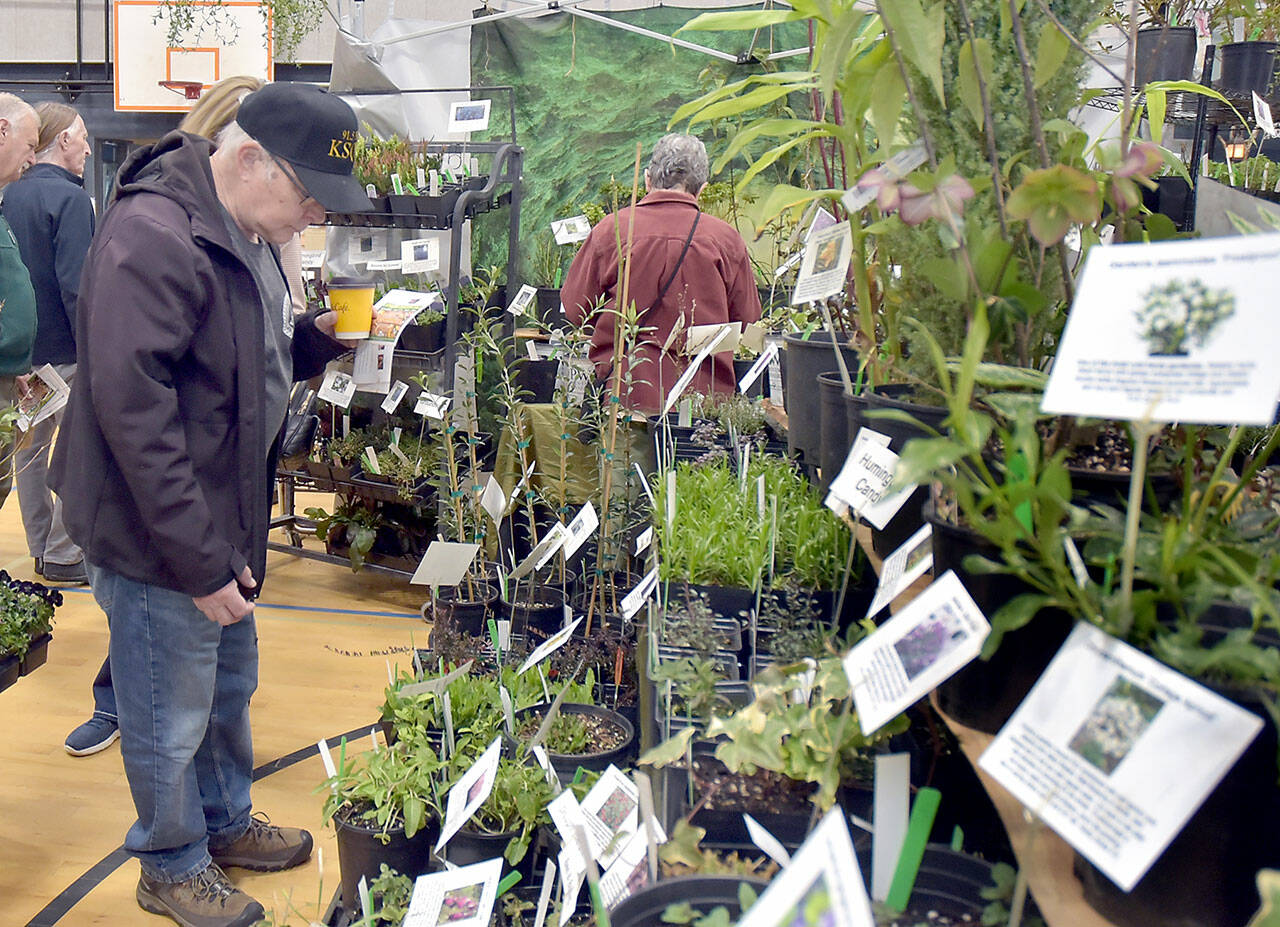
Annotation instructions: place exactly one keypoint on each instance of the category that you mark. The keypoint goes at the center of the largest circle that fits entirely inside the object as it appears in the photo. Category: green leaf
(834, 51)
(1006, 376)
(888, 93)
(669, 751)
(753, 99)
(948, 275)
(920, 34)
(784, 197)
(415, 814)
(1155, 112)
(765, 128)
(1269, 890)
(967, 78)
(1014, 614)
(1050, 54)
(773, 154)
(735, 20)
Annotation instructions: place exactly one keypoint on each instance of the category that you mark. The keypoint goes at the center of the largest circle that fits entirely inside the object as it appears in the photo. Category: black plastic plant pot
(644, 907)
(908, 520)
(728, 603)
(470, 846)
(549, 311)
(985, 693)
(1206, 874)
(566, 764)
(805, 360)
(740, 366)
(948, 883)
(538, 610)
(10, 670)
(469, 605)
(1247, 67)
(1111, 487)
(37, 654)
(725, 829)
(1167, 53)
(833, 421)
(425, 339)
(361, 853)
(537, 379)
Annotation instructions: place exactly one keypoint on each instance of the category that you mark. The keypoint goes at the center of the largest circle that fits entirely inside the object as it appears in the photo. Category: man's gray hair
(13, 108)
(679, 161)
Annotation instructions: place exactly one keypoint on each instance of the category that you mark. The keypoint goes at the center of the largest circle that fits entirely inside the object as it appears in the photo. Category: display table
(1044, 856)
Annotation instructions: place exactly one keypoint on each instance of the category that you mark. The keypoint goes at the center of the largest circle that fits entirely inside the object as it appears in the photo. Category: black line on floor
(74, 893)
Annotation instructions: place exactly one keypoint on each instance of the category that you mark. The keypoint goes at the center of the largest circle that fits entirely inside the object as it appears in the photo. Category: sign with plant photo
(46, 394)
(823, 884)
(824, 265)
(906, 658)
(459, 897)
(903, 567)
(337, 386)
(469, 792)
(571, 230)
(1114, 751)
(1178, 331)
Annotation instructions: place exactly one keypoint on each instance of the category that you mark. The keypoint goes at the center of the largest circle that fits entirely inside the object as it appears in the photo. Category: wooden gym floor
(325, 638)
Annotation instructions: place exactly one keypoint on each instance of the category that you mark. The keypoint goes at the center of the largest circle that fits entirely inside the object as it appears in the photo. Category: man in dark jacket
(52, 218)
(187, 346)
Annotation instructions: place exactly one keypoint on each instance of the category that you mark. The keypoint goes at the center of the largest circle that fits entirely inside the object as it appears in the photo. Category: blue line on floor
(293, 608)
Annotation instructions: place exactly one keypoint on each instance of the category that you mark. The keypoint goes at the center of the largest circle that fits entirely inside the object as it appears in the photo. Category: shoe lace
(260, 827)
(212, 884)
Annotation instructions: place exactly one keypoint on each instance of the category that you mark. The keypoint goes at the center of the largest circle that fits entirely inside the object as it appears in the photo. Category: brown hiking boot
(265, 847)
(206, 899)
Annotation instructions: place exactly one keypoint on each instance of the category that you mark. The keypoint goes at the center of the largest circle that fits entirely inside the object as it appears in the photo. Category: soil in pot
(361, 853)
(1100, 471)
(582, 735)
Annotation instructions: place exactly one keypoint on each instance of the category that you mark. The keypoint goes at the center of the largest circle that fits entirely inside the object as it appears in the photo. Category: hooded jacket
(52, 218)
(162, 462)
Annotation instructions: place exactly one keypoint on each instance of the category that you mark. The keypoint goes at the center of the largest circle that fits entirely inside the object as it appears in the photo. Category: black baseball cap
(316, 132)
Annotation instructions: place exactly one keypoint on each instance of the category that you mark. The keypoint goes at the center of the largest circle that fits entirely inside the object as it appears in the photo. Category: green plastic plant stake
(508, 882)
(1020, 472)
(957, 839)
(493, 636)
(904, 879)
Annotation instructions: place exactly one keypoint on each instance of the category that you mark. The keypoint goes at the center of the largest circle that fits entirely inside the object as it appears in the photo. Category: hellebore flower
(885, 187)
(1140, 163)
(944, 201)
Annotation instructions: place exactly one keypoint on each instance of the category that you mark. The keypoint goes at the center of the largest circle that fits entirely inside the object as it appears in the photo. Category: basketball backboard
(239, 43)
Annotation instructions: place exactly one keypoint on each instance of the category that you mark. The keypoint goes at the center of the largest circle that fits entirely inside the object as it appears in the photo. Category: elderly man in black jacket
(187, 347)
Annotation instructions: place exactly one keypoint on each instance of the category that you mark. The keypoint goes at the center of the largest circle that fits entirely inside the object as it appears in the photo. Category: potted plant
(26, 626)
(507, 822)
(585, 736)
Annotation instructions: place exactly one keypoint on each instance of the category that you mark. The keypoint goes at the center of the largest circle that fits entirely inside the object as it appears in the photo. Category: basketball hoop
(191, 89)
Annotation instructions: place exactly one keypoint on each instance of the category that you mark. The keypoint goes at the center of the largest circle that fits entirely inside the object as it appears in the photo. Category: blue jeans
(182, 685)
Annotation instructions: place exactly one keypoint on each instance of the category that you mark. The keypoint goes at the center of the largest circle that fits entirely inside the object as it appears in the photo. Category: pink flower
(1143, 159)
(945, 201)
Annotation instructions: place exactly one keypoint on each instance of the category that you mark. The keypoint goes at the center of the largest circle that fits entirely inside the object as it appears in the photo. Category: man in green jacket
(19, 130)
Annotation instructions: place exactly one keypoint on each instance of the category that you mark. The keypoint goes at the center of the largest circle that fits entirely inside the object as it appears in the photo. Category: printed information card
(1114, 751)
(1182, 330)
(863, 483)
(824, 265)
(461, 897)
(903, 567)
(910, 654)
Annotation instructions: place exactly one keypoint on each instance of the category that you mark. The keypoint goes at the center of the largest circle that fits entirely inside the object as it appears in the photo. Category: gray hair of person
(13, 108)
(679, 161)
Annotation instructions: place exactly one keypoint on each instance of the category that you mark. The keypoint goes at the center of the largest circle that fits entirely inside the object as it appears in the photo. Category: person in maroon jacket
(687, 267)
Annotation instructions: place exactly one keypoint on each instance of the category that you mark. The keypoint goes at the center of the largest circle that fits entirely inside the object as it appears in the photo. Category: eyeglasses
(297, 185)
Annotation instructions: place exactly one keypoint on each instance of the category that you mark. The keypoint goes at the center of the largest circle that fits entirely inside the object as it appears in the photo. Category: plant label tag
(469, 116)
(644, 484)
(373, 739)
(523, 301)
(906, 161)
(346, 425)
(337, 387)
(632, 601)
(420, 255)
(1114, 751)
(1185, 334)
(418, 672)
(581, 528)
(857, 197)
(890, 809)
(399, 454)
(544, 895)
(760, 506)
(544, 760)
(326, 758)
(645, 539)
(753, 337)
(384, 265)
(671, 499)
(863, 484)
(684, 413)
(397, 185)
(507, 712)
(826, 859)
(470, 791)
(422, 179)
(431, 405)
(366, 905)
(1262, 115)
(371, 461)
(493, 500)
(702, 335)
(433, 183)
(824, 265)
(743, 465)
(766, 841)
(461, 896)
(571, 230)
(711, 347)
(366, 247)
(1076, 563)
(612, 813)
(909, 655)
(776, 393)
(555, 540)
(448, 723)
(542, 678)
(902, 568)
(444, 563)
(549, 646)
(769, 354)
(530, 563)
(438, 684)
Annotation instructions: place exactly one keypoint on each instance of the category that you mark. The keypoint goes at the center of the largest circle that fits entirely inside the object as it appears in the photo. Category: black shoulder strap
(675, 270)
